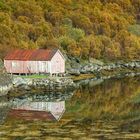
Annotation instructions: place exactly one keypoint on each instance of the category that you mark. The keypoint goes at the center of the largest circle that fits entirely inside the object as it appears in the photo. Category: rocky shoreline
(97, 71)
(5, 81)
(98, 66)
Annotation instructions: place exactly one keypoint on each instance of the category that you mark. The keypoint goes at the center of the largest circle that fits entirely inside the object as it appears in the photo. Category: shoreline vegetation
(89, 71)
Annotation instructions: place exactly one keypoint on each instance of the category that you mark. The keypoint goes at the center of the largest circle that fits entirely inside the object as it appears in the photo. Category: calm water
(95, 110)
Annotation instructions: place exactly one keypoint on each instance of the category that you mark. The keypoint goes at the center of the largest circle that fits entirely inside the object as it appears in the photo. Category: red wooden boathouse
(35, 61)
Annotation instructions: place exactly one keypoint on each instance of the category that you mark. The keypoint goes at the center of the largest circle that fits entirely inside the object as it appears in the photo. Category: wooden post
(51, 74)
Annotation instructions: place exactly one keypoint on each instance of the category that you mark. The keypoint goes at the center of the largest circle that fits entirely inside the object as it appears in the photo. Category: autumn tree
(102, 29)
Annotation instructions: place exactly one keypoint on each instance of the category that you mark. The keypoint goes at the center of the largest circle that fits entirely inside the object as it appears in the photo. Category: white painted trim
(60, 54)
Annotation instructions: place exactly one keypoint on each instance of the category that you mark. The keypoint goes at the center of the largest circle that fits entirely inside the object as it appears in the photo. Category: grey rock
(91, 68)
(75, 72)
(17, 81)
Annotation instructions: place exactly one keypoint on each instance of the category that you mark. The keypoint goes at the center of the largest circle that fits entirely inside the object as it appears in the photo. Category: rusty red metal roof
(31, 115)
(32, 55)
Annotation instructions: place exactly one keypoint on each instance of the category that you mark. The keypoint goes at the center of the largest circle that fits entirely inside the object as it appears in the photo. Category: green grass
(34, 76)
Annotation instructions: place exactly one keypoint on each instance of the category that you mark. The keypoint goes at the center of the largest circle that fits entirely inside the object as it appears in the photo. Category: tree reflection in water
(100, 109)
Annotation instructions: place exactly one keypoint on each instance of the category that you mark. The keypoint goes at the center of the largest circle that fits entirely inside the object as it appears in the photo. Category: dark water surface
(96, 110)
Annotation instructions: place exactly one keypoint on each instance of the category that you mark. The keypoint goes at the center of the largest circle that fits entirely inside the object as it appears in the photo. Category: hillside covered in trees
(101, 29)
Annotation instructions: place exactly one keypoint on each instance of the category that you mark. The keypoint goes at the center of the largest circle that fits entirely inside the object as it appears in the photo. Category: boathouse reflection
(31, 110)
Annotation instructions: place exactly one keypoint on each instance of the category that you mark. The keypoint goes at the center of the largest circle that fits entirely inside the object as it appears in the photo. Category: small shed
(35, 61)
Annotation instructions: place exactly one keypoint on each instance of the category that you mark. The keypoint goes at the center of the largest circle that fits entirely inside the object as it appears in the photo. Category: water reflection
(112, 99)
(33, 110)
(102, 109)
(4, 108)
(39, 106)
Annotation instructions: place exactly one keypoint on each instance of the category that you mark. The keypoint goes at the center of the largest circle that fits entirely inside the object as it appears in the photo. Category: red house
(35, 61)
